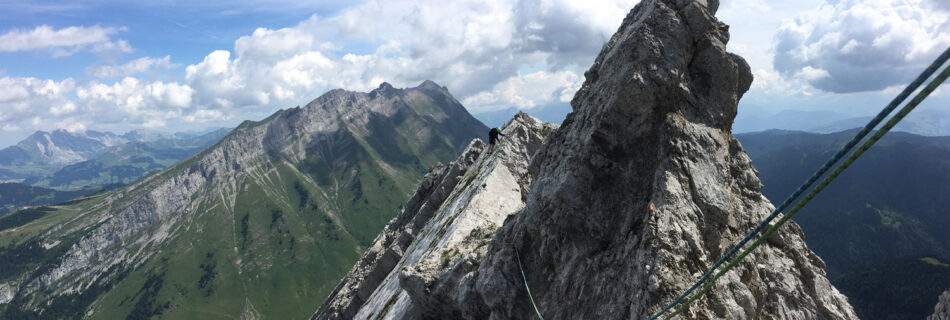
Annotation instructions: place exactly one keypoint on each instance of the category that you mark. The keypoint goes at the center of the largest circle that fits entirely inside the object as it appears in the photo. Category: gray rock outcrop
(942, 309)
(390, 246)
(443, 230)
(639, 192)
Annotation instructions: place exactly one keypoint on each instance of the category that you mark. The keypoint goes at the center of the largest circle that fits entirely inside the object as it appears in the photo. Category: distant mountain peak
(429, 84)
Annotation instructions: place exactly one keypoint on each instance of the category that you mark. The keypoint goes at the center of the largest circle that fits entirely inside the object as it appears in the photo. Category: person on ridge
(493, 137)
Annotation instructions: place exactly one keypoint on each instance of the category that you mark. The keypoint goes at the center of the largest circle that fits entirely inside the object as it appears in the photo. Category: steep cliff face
(446, 226)
(632, 199)
(259, 224)
(942, 309)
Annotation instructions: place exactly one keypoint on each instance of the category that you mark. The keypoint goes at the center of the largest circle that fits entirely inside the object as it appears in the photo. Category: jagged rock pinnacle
(636, 195)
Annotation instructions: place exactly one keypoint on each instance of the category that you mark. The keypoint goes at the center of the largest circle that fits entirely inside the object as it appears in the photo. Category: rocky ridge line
(444, 229)
(633, 198)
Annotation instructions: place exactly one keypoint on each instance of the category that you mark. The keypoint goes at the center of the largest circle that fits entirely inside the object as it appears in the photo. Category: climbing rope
(538, 312)
(844, 150)
(824, 183)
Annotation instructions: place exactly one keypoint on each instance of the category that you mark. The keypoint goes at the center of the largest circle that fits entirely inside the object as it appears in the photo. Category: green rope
(538, 312)
(824, 183)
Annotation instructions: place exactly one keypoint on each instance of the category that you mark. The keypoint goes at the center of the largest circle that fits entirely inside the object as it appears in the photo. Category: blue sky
(186, 65)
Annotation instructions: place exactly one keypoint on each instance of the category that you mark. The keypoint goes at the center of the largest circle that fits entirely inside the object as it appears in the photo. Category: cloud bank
(491, 54)
(65, 41)
(862, 45)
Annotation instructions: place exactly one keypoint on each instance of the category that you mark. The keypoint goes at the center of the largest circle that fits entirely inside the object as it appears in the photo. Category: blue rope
(824, 168)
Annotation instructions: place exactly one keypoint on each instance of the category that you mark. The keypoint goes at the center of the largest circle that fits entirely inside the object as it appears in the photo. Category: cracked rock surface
(638, 193)
(442, 232)
(942, 309)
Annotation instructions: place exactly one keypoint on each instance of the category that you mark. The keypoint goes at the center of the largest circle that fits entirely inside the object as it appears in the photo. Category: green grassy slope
(17, 195)
(264, 237)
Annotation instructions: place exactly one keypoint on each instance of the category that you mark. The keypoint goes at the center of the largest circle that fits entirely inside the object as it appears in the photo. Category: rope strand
(841, 153)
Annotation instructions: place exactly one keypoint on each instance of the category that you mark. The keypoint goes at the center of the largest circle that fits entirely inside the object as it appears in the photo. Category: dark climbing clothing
(493, 135)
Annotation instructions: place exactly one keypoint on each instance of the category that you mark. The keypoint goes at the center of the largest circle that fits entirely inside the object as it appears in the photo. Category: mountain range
(125, 163)
(881, 226)
(79, 163)
(43, 154)
(927, 122)
(263, 222)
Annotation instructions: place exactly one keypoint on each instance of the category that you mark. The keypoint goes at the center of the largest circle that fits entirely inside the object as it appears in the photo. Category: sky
(189, 65)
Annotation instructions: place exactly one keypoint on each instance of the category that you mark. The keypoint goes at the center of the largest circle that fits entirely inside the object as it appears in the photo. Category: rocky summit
(628, 203)
(261, 223)
(942, 309)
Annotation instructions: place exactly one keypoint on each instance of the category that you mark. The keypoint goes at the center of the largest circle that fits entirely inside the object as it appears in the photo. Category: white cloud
(71, 125)
(112, 48)
(485, 44)
(35, 104)
(862, 45)
(65, 41)
(205, 115)
(139, 65)
(134, 97)
(528, 91)
(154, 123)
(22, 98)
(492, 54)
(812, 74)
(65, 108)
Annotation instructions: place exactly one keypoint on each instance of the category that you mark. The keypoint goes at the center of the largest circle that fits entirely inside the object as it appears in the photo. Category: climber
(493, 137)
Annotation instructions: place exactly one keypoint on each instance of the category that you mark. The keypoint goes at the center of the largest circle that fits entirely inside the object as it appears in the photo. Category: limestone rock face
(442, 232)
(390, 246)
(942, 309)
(639, 192)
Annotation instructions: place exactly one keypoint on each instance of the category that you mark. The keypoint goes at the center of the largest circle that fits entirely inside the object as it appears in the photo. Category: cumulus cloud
(528, 91)
(491, 54)
(862, 45)
(484, 44)
(22, 98)
(33, 104)
(65, 41)
(139, 65)
(135, 98)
